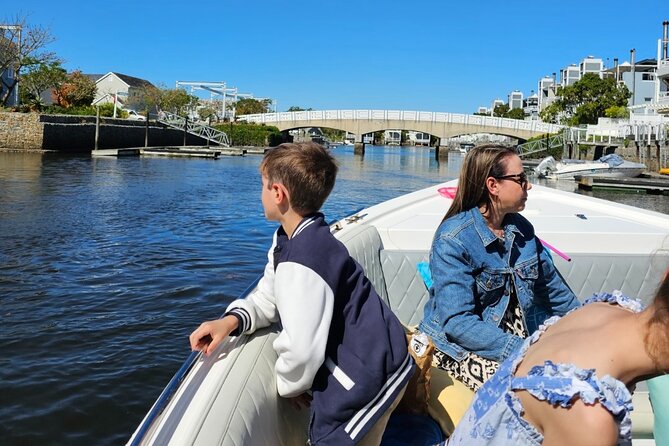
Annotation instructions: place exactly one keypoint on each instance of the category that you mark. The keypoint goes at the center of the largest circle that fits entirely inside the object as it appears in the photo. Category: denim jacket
(474, 273)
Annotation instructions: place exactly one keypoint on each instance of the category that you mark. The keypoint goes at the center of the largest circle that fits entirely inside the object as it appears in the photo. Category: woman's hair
(656, 340)
(481, 162)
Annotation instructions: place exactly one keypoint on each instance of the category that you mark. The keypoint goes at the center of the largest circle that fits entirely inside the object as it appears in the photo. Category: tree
(39, 77)
(516, 113)
(176, 100)
(250, 106)
(500, 110)
(617, 112)
(294, 108)
(147, 98)
(21, 45)
(77, 90)
(586, 100)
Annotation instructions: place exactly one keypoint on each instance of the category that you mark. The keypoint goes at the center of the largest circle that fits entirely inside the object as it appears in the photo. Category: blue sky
(408, 55)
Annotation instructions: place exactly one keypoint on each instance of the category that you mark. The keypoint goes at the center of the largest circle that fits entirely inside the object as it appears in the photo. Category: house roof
(131, 81)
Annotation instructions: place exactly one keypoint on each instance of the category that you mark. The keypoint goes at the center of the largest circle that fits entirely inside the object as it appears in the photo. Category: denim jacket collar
(482, 229)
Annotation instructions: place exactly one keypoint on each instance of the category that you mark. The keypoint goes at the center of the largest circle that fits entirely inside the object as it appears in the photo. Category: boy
(338, 338)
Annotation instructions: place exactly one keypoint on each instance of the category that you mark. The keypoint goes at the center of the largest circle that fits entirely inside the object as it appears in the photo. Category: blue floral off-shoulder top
(494, 418)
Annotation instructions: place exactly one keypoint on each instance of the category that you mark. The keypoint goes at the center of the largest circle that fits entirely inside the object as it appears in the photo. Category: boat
(611, 165)
(230, 398)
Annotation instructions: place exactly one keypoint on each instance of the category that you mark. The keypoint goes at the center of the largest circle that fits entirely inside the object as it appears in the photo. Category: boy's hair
(306, 170)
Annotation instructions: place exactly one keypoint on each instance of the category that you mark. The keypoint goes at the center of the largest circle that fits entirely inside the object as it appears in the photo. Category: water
(106, 266)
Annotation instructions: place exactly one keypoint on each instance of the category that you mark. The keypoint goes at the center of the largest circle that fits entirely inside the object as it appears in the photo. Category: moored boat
(608, 166)
(230, 397)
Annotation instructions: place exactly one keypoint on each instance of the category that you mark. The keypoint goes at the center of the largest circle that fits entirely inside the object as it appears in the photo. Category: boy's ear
(280, 193)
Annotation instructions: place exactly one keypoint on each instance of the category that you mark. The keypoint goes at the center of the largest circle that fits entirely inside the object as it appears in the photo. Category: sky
(442, 56)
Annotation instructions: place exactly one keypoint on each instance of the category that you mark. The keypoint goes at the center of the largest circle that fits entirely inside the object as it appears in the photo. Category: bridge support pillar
(359, 144)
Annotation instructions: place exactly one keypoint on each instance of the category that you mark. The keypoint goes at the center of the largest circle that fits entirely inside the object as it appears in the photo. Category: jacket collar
(484, 232)
(306, 221)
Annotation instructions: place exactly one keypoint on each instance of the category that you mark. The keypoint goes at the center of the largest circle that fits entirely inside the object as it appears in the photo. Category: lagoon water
(106, 266)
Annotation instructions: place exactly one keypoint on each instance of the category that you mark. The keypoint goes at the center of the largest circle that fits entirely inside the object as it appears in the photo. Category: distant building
(569, 75)
(483, 111)
(116, 86)
(641, 83)
(495, 103)
(546, 91)
(515, 100)
(531, 108)
(418, 138)
(591, 65)
(392, 137)
(8, 76)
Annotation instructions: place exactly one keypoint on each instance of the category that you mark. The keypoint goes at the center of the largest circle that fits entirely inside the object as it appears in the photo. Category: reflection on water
(107, 264)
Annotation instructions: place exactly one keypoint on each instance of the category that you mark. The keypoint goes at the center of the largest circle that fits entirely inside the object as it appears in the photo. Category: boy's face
(267, 197)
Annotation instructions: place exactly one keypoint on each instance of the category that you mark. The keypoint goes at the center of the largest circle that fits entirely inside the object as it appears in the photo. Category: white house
(116, 86)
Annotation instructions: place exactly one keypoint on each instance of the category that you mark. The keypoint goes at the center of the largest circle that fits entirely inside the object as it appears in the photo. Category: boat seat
(364, 245)
(407, 293)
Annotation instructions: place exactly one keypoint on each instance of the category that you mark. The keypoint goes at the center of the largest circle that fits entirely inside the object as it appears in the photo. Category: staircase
(194, 128)
(541, 145)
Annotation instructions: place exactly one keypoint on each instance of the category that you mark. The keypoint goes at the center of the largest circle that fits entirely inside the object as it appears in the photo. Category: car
(134, 116)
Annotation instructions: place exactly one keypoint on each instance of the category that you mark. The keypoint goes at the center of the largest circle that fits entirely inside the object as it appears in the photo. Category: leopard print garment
(474, 370)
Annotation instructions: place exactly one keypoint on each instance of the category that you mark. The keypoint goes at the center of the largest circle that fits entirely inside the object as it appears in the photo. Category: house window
(647, 77)
(647, 99)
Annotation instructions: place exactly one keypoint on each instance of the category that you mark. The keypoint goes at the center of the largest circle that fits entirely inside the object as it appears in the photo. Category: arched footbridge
(441, 125)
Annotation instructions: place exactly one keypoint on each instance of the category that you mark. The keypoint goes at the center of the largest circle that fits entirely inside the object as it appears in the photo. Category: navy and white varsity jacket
(338, 337)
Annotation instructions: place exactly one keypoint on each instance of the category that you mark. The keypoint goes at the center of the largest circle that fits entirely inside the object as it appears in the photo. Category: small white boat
(607, 166)
(230, 398)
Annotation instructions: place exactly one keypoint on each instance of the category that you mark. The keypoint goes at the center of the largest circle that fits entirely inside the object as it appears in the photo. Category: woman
(493, 284)
(568, 384)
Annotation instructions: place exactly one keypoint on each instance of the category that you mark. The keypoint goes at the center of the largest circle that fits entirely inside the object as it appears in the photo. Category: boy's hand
(300, 401)
(209, 334)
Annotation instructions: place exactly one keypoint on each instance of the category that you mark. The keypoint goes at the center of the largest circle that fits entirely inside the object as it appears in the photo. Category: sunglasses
(519, 178)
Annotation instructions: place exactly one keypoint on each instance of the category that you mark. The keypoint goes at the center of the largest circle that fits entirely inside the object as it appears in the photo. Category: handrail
(403, 115)
(195, 128)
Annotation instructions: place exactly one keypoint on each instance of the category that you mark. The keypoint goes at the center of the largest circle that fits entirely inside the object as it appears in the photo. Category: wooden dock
(651, 185)
(183, 151)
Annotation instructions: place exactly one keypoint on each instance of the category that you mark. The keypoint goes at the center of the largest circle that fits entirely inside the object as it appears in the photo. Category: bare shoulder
(581, 424)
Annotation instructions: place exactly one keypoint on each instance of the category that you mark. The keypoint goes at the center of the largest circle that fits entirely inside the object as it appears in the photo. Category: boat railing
(172, 387)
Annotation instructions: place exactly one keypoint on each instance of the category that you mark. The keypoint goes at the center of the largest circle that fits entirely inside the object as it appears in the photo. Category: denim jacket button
(495, 318)
(488, 283)
(506, 292)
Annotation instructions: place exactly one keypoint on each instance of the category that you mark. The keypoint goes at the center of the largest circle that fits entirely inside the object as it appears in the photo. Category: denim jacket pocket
(528, 275)
(490, 287)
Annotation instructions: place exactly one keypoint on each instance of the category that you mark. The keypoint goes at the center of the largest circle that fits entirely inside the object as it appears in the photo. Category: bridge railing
(403, 115)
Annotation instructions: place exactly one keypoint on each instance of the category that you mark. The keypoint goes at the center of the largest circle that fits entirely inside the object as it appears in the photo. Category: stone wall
(31, 131)
(21, 131)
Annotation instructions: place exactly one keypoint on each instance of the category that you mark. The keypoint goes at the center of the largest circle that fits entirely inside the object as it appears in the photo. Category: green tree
(39, 77)
(617, 112)
(15, 56)
(293, 108)
(501, 110)
(250, 106)
(586, 100)
(516, 113)
(176, 101)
